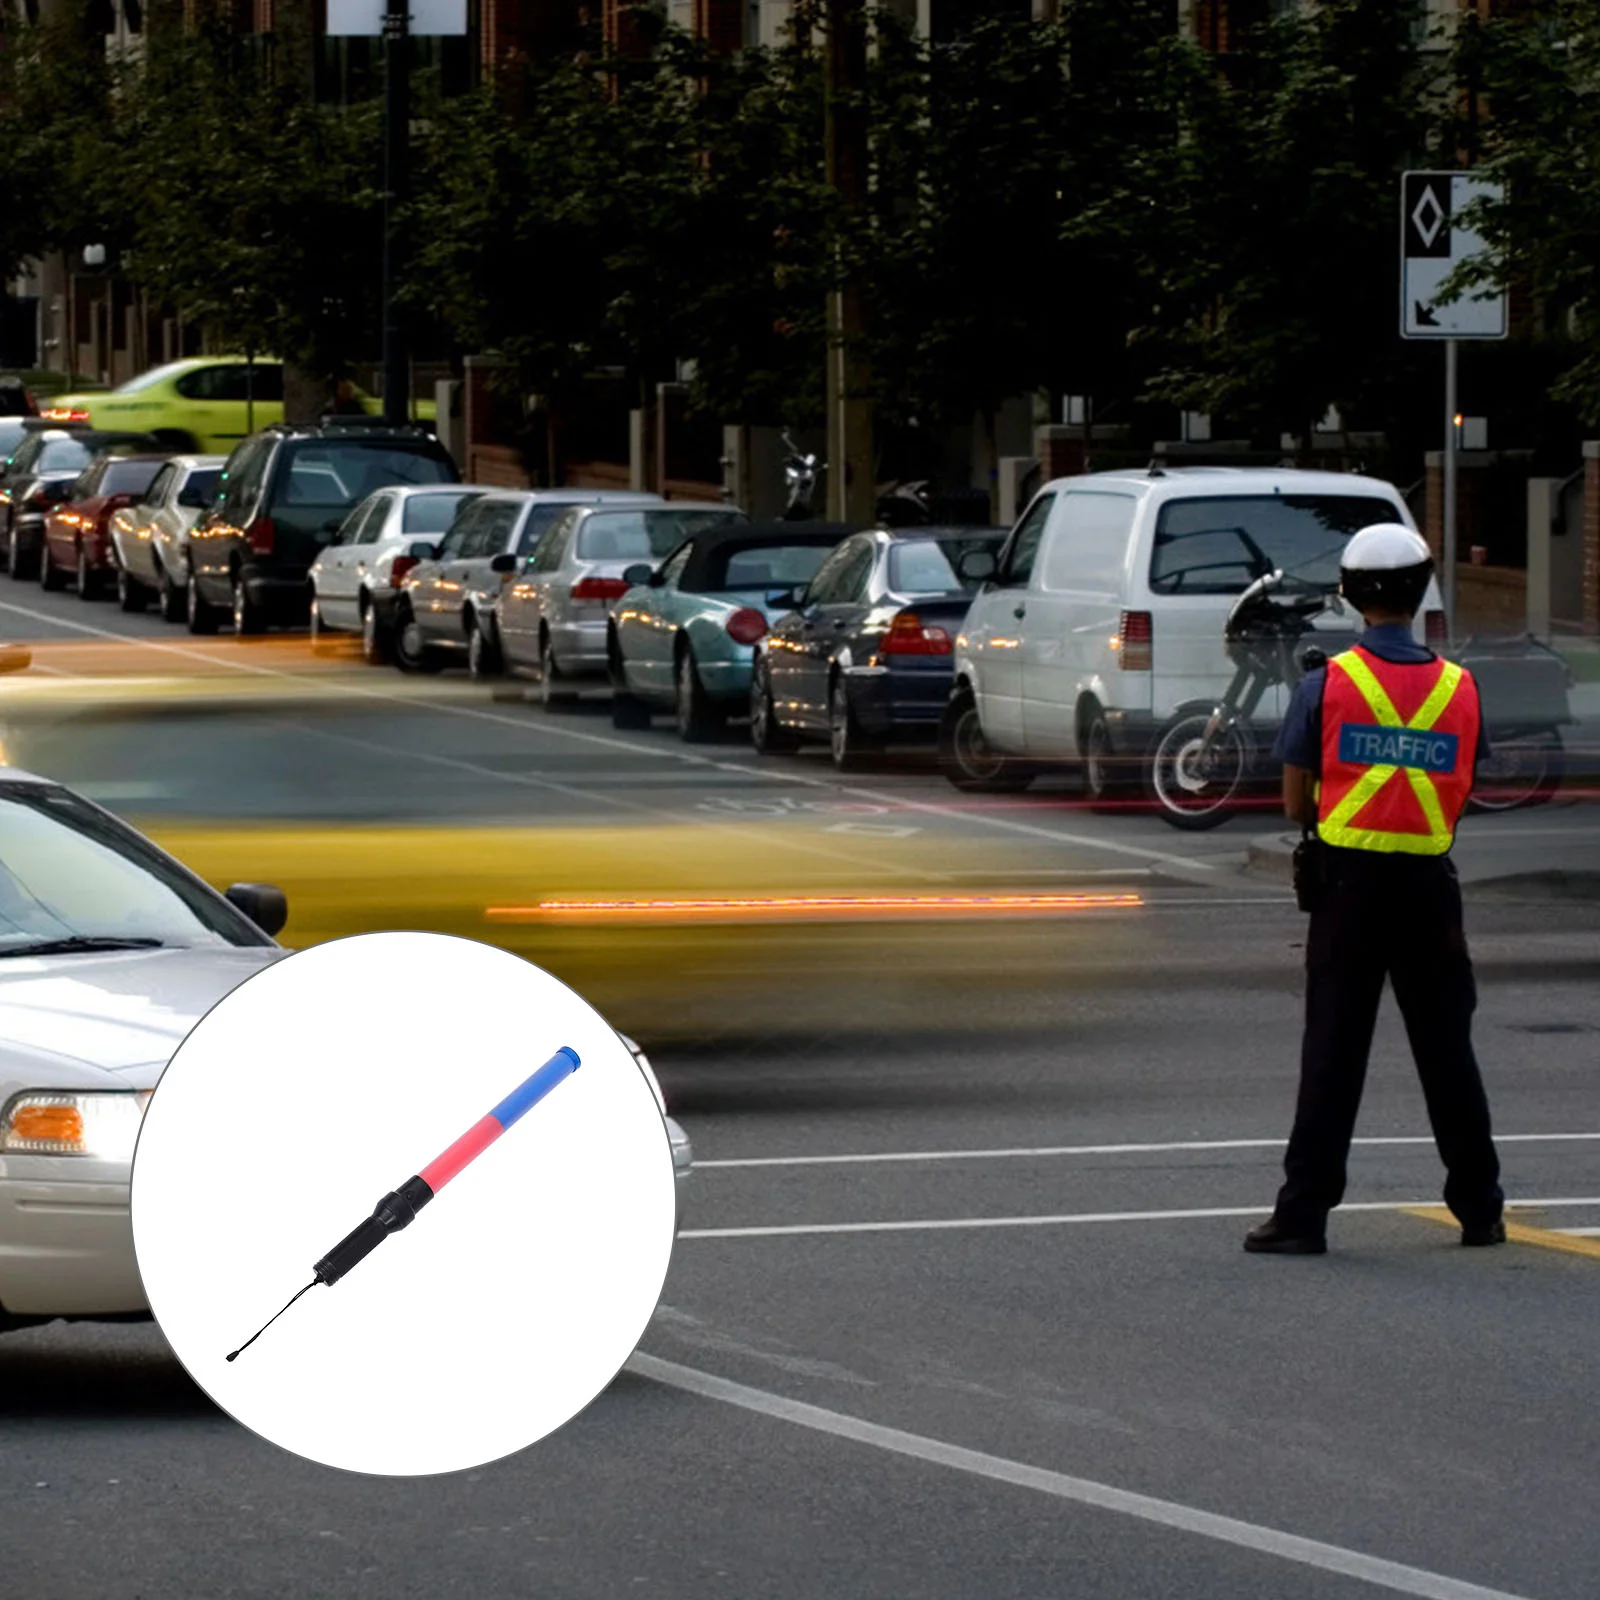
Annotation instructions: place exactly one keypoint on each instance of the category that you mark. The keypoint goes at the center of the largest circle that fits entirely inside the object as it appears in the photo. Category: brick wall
(1491, 600)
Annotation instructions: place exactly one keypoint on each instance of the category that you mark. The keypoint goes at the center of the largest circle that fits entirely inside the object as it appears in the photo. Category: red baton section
(467, 1148)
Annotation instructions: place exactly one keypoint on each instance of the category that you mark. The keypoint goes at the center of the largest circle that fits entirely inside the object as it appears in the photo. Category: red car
(77, 532)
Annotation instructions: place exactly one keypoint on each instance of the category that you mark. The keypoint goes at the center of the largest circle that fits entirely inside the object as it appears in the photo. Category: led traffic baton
(397, 1209)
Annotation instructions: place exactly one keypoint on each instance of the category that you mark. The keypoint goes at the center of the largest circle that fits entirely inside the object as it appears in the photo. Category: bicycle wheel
(1194, 779)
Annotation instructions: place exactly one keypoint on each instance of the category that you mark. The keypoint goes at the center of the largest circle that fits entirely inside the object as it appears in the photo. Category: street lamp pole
(396, 161)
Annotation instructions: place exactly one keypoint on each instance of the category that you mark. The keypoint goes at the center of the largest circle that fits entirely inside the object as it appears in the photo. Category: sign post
(1433, 243)
(395, 22)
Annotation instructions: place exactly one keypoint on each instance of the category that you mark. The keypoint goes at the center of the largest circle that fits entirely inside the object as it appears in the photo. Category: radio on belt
(397, 1209)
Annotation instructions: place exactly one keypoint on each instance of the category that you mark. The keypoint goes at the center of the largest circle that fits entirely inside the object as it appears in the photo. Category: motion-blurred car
(684, 635)
(77, 532)
(201, 404)
(150, 538)
(436, 610)
(372, 551)
(110, 952)
(868, 656)
(284, 494)
(38, 477)
(550, 619)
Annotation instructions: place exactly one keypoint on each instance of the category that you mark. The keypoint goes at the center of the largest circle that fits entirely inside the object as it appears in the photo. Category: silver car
(550, 619)
(437, 608)
(150, 539)
(356, 579)
(110, 952)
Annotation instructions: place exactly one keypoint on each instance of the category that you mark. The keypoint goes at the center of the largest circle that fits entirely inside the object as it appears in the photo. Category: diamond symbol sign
(1433, 243)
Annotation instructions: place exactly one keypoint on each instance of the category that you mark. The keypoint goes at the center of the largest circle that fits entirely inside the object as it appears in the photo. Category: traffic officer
(1379, 750)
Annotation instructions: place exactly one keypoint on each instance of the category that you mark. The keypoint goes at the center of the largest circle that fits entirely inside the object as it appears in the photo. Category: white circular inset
(323, 1083)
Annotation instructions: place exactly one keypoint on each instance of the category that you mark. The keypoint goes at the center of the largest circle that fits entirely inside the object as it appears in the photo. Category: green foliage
(1538, 69)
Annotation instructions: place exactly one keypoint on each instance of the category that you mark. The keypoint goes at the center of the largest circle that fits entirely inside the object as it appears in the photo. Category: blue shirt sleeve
(1299, 741)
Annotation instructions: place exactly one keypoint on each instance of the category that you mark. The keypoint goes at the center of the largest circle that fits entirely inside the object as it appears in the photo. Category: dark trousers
(1395, 917)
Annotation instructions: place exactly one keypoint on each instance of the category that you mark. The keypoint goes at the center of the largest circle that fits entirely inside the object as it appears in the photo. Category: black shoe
(1273, 1239)
(1482, 1234)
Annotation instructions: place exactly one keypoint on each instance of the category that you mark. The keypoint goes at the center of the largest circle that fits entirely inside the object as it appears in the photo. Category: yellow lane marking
(1520, 1232)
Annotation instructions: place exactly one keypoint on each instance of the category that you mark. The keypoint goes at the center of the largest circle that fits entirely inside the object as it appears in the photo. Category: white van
(1104, 617)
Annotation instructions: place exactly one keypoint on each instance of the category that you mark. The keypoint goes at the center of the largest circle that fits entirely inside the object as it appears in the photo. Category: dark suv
(283, 495)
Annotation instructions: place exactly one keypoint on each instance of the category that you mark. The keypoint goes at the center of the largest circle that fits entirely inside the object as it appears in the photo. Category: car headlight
(43, 1122)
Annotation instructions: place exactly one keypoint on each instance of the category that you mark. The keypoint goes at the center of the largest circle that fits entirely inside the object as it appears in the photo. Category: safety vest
(1399, 740)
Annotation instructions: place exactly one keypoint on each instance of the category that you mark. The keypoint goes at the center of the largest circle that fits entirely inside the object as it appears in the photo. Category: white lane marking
(1394, 1576)
(1024, 1152)
(1581, 1233)
(743, 769)
(1195, 1214)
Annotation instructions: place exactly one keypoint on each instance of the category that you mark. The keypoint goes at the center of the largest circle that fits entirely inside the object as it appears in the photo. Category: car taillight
(907, 636)
(746, 625)
(600, 588)
(64, 414)
(261, 535)
(1435, 630)
(1135, 640)
(402, 565)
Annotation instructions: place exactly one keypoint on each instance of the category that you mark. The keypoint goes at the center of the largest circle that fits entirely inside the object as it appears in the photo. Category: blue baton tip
(528, 1094)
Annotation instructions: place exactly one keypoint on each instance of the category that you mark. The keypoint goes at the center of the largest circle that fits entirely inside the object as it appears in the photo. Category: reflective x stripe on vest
(1388, 783)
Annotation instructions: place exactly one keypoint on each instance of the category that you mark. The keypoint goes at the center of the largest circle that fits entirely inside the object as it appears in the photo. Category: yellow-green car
(205, 404)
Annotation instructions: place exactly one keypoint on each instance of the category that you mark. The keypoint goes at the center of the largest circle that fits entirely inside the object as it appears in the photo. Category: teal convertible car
(683, 635)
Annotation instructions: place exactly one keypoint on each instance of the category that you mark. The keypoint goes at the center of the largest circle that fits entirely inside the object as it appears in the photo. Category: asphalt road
(953, 1314)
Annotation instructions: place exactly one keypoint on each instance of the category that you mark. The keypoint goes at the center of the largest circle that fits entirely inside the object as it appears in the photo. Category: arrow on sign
(1423, 315)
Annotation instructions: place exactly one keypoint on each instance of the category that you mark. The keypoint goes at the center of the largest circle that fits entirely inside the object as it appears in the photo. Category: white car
(354, 579)
(110, 952)
(1102, 617)
(150, 539)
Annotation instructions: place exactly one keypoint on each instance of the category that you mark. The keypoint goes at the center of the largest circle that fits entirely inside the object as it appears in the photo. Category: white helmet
(1385, 566)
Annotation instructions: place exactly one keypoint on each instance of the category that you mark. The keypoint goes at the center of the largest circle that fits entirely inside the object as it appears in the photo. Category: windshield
(1221, 544)
(644, 535)
(69, 871)
(129, 477)
(61, 455)
(432, 513)
(773, 566)
(928, 566)
(340, 474)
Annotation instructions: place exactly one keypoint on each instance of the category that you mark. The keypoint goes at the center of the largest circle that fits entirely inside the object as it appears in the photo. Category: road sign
(1433, 242)
(364, 18)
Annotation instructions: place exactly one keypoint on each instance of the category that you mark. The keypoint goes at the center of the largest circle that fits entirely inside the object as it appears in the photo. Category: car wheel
(132, 596)
(698, 719)
(172, 597)
(412, 652)
(1105, 784)
(247, 615)
(850, 747)
(88, 577)
(483, 655)
(552, 689)
(50, 575)
(767, 733)
(377, 646)
(198, 612)
(967, 759)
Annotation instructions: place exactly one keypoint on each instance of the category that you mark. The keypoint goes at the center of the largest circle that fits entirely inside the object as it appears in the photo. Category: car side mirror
(503, 564)
(640, 573)
(784, 599)
(977, 566)
(15, 657)
(266, 906)
(193, 498)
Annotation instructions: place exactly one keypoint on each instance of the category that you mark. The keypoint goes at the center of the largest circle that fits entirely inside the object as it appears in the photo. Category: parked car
(110, 952)
(1103, 618)
(77, 532)
(202, 403)
(684, 635)
(436, 610)
(38, 476)
(550, 619)
(150, 538)
(869, 654)
(372, 552)
(284, 494)
(15, 401)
